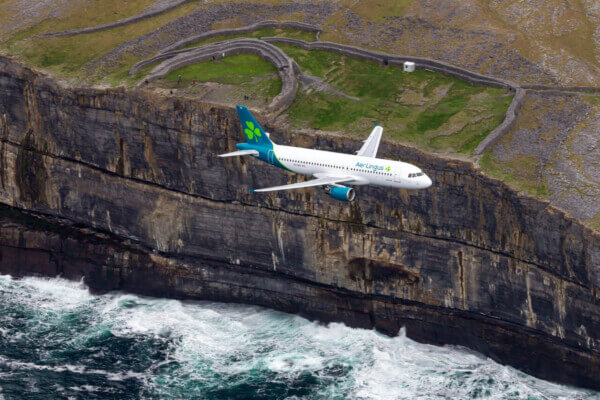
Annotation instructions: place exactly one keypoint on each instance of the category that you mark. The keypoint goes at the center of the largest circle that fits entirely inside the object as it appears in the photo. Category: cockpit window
(416, 174)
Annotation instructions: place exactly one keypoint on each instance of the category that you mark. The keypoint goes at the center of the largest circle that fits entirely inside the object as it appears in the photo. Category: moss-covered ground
(520, 172)
(234, 69)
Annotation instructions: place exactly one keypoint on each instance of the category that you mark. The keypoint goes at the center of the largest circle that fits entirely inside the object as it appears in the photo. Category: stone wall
(509, 122)
(556, 88)
(302, 26)
(467, 262)
(122, 22)
(394, 59)
(286, 67)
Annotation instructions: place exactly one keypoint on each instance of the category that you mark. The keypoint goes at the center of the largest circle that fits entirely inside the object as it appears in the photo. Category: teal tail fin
(254, 133)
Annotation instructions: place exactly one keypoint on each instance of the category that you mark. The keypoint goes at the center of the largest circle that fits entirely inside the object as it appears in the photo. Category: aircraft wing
(369, 148)
(315, 182)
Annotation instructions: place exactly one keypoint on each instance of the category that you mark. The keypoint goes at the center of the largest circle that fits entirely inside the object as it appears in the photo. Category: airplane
(330, 170)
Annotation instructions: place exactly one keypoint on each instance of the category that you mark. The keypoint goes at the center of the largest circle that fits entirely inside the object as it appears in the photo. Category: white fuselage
(364, 170)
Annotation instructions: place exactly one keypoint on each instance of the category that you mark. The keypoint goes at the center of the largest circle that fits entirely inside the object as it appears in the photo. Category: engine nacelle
(342, 193)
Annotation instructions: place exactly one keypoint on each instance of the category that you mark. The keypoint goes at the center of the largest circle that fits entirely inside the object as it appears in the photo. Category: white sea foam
(77, 369)
(211, 343)
(55, 293)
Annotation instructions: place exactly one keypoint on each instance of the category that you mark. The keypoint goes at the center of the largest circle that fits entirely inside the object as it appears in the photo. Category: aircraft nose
(426, 181)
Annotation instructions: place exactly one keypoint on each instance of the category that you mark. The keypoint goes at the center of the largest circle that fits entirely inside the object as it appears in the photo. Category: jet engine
(342, 193)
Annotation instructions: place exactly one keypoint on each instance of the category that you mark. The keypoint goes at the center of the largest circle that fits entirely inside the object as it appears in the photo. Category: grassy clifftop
(436, 112)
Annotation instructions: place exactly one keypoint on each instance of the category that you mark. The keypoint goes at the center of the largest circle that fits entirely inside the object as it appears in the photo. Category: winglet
(251, 190)
(375, 123)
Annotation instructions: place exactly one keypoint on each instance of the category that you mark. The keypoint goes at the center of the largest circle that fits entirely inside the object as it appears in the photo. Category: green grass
(447, 115)
(264, 32)
(593, 99)
(595, 222)
(235, 69)
(246, 78)
(66, 56)
(519, 172)
(120, 75)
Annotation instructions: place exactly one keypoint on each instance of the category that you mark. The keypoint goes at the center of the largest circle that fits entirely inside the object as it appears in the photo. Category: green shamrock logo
(252, 132)
(388, 169)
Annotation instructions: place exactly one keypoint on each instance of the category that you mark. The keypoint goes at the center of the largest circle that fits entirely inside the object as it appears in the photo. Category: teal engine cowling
(342, 193)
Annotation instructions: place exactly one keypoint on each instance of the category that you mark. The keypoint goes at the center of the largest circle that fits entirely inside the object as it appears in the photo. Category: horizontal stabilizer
(240, 153)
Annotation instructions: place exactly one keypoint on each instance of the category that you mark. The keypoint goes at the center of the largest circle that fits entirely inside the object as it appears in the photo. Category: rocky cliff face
(126, 189)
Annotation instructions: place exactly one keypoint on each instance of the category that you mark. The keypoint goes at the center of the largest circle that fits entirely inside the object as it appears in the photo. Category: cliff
(126, 189)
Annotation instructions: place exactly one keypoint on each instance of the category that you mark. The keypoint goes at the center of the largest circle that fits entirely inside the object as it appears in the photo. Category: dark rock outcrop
(126, 189)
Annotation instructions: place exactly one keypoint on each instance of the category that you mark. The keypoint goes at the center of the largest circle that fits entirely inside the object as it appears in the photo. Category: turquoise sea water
(59, 341)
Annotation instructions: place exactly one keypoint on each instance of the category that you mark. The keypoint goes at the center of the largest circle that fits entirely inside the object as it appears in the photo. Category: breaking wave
(59, 341)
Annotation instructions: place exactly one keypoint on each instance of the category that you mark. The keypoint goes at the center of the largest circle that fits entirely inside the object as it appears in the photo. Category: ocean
(58, 341)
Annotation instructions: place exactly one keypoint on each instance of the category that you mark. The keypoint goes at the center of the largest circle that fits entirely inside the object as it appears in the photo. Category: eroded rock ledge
(125, 189)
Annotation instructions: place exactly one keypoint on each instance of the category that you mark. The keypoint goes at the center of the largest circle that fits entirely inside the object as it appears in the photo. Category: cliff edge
(125, 188)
